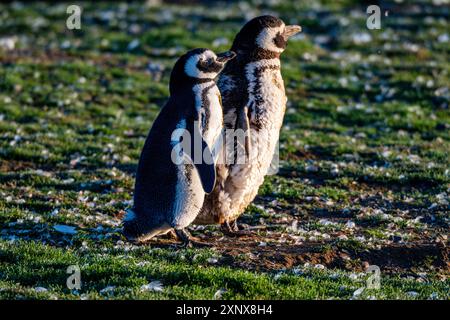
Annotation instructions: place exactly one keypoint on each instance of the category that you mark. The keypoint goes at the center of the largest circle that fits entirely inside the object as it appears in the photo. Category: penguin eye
(205, 64)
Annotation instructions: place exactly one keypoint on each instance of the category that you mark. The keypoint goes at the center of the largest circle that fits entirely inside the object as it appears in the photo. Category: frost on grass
(65, 229)
(155, 286)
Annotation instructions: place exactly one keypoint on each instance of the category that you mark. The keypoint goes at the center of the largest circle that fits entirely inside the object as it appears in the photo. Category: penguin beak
(225, 56)
(289, 31)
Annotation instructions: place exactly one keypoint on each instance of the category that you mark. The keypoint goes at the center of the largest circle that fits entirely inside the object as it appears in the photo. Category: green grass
(364, 175)
(186, 275)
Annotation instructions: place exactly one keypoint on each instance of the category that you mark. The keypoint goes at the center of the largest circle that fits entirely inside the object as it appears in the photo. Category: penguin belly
(208, 100)
(267, 102)
(167, 211)
(215, 121)
(189, 197)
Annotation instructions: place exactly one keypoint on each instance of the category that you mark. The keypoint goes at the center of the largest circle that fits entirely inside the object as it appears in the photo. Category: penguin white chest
(215, 124)
(189, 196)
(208, 102)
(189, 190)
(267, 103)
(267, 98)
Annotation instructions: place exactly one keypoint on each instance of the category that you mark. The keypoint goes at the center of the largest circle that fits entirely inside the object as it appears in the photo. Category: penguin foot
(188, 240)
(232, 229)
(171, 235)
(235, 226)
(227, 228)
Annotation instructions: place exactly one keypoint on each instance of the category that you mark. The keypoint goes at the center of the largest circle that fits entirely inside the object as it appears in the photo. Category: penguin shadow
(214, 238)
(170, 240)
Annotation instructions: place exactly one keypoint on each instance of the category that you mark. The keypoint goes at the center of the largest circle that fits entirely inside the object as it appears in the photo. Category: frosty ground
(364, 172)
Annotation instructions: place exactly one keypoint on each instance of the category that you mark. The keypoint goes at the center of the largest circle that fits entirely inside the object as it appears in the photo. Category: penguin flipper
(206, 168)
(243, 122)
(202, 158)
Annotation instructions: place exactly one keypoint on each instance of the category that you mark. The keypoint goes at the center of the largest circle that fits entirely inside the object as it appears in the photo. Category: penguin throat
(263, 54)
(258, 54)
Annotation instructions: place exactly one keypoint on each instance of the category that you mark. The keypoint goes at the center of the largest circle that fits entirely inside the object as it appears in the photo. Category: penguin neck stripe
(262, 54)
(200, 92)
(203, 80)
(257, 55)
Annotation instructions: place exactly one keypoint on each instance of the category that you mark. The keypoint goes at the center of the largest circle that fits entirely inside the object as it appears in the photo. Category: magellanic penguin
(254, 100)
(170, 184)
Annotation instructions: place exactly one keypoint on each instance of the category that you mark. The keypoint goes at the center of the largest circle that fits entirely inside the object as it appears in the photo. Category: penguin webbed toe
(188, 240)
(233, 229)
(229, 228)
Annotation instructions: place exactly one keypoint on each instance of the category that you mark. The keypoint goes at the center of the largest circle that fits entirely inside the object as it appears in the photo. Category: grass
(186, 274)
(364, 175)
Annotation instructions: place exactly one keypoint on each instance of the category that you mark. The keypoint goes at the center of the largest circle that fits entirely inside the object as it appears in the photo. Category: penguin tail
(130, 226)
(138, 231)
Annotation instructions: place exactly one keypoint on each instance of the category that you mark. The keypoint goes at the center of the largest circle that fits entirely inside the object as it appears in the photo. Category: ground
(364, 165)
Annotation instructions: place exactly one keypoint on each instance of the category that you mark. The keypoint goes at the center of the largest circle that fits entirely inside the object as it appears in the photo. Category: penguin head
(198, 65)
(264, 33)
(205, 64)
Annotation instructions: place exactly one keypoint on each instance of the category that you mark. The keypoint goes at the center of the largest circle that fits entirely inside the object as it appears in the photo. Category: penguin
(254, 101)
(171, 181)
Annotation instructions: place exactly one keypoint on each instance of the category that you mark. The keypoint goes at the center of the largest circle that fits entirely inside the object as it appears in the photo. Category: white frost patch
(358, 292)
(108, 290)
(156, 286)
(212, 260)
(133, 45)
(350, 224)
(65, 229)
(326, 222)
(219, 293)
(444, 38)
(363, 37)
(8, 43)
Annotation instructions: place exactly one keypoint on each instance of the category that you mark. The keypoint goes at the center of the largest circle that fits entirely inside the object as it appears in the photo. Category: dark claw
(232, 229)
(234, 226)
(227, 229)
(188, 240)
